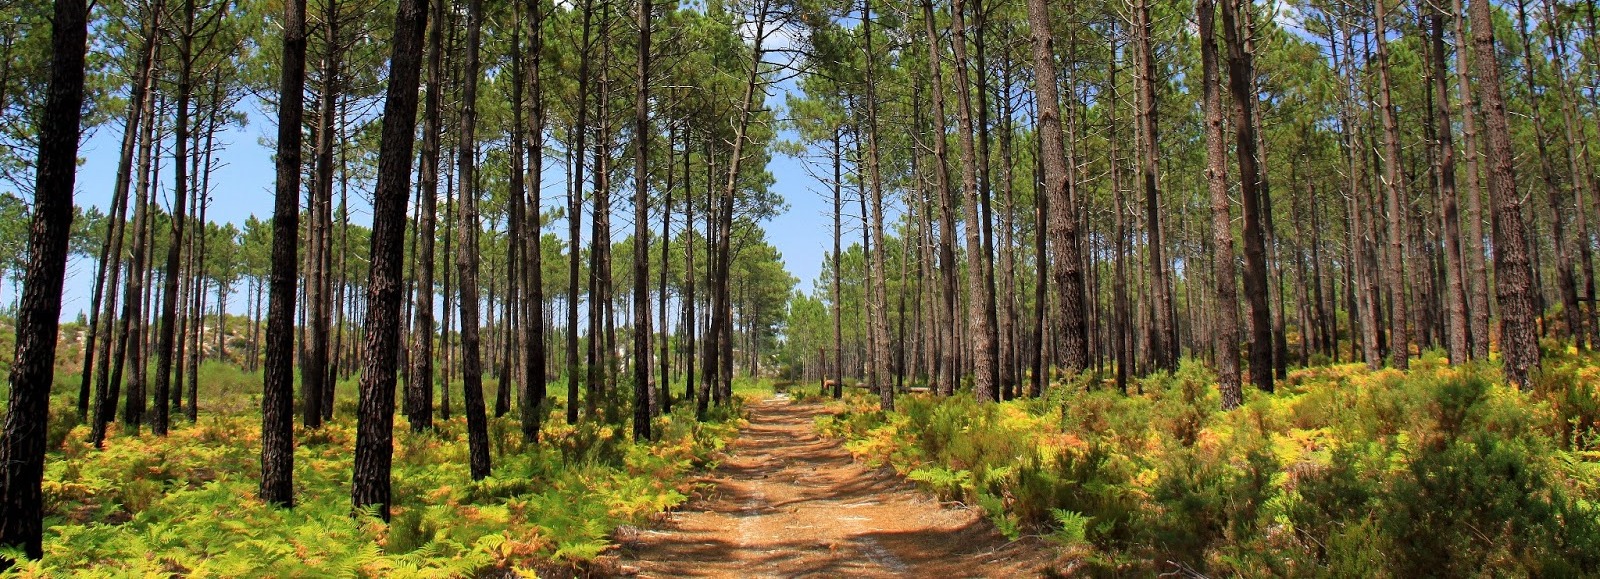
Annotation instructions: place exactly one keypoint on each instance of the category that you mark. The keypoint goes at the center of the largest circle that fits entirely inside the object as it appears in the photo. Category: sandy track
(788, 503)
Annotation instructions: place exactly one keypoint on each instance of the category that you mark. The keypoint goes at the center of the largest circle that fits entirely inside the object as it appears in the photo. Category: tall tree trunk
(1121, 349)
(1399, 335)
(419, 391)
(1566, 286)
(130, 338)
(1364, 307)
(689, 391)
(1577, 159)
(277, 390)
(949, 375)
(1226, 316)
(374, 451)
(1478, 271)
(641, 230)
(1455, 273)
(664, 382)
(1007, 303)
(1519, 345)
(1163, 338)
(980, 295)
(203, 195)
(1241, 80)
(314, 364)
(838, 234)
(532, 296)
(579, 130)
(879, 308)
(178, 216)
(467, 258)
(602, 351)
(720, 362)
(140, 112)
(22, 444)
(1041, 261)
(1058, 176)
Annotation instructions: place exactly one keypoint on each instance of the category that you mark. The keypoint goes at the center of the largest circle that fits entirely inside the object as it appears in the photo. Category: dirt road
(788, 503)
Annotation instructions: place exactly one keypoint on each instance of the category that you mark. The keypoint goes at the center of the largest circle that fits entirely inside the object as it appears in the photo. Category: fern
(1072, 528)
(185, 504)
(1003, 521)
(947, 484)
(581, 550)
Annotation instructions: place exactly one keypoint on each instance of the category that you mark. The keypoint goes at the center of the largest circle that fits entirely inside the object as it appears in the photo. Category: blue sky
(243, 184)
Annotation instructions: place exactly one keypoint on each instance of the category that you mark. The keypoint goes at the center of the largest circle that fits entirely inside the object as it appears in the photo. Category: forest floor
(787, 502)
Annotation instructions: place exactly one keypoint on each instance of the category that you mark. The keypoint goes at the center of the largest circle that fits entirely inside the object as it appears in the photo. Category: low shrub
(1441, 471)
(185, 504)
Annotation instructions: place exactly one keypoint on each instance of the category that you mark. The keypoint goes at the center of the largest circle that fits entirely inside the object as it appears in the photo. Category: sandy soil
(789, 503)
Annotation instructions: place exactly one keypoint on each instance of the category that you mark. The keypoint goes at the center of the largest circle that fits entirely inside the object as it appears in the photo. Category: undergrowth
(185, 504)
(1344, 472)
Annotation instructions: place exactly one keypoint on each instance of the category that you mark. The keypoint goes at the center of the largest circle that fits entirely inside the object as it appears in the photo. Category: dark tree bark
(277, 390)
(375, 427)
(1399, 334)
(130, 345)
(419, 391)
(641, 230)
(980, 306)
(1007, 296)
(139, 107)
(1566, 286)
(22, 444)
(949, 375)
(719, 360)
(663, 391)
(578, 131)
(689, 303)
(1577, 158)
(1121, 323)
(877, 379)
(1062, 220)
(1163, 337)
(1241, 80)
(1513, 275)
(1041, 266)
(180, 173)
(204, 198)
(1455, 272)
(139, 111)
(838, 234)
(314, 384)
(512, 363)
(536, 340)
(467, 258)
(602, 340)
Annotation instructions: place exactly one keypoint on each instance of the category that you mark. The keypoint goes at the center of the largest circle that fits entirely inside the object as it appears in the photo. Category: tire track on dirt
(789, 503)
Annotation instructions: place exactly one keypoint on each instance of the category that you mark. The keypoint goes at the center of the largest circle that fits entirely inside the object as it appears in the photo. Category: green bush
(184, 504)
(1342, 473)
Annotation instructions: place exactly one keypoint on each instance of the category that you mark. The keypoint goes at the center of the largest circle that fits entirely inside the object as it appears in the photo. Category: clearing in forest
(789, 503)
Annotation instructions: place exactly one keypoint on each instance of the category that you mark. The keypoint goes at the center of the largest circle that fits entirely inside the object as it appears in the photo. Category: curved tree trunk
(22, 444)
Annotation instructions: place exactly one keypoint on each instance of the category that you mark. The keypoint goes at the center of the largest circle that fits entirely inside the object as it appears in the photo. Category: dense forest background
(545, 222)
